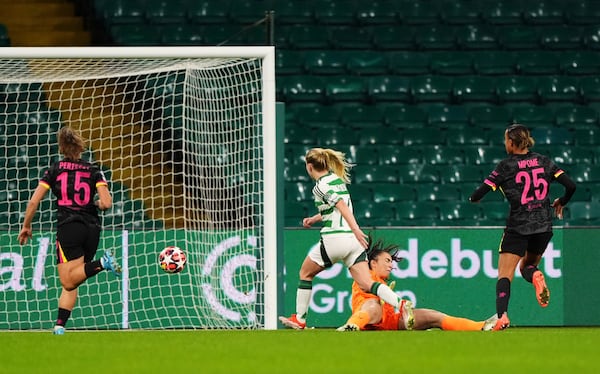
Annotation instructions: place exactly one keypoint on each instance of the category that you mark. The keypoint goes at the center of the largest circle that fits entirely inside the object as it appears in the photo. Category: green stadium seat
(543, 12)
(293, 12)
(134, 35)
(298, 191)
(294, 154)
(517, 37)
(299, 135)
(435, 37)
(437, 192)
(477, 155)
(587, 137)
(590, 88)
(367, 63)
(325, 62)
(494, 212)
(591, 37)
(361, 116)
(335, 12)
(458, 174)
(503, 13)
(296, 211)
(562, 38)
(409, 63)
(359, 156)
(450, 63)
(477, 37)
(559, 88)
(4, 37)
(462, 12)
(442, 116)
(289, 62)
(404, 116)
(516, 88)
(209, 12)
(537, 63)
(586, 12)
(580, 62)
(442, 155)
(345, 88)
(392, 193)
(584, 173)
(181, 34)
(460, 136)
(379, 135)
(576, 117)
(369, 213)
(552, 135)
(418, 173)
(302, 88)
(336, 137)
(423, 136)
(392, 88)
(350, 38)
(384, 174)
(247, 12)
(431, 88)
(121, 12)
(311, 115)
(360, 192)
(564, 155)
(395, 155)
(163, 11)
(582, 194)
(392, 37)
(494, 62)
(454, 213)
(532, 115)
(581, 213)
(474, 89)
(302, 37)
(380, 12)
(418, 213)
(418, 13)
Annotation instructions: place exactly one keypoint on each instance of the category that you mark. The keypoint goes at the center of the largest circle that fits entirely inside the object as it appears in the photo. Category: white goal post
(186, 138)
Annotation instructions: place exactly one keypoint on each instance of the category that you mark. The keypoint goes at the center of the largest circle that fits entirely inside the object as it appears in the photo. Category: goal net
(185, 137)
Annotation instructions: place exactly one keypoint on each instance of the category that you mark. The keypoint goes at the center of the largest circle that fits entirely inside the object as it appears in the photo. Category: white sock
(302, 302)
(387, 295)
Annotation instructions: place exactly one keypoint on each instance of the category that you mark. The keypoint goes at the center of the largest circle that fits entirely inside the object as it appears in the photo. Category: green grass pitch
(516, 350)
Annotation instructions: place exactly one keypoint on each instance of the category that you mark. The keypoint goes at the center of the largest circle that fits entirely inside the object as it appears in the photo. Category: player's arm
(309, 221)
(570, 188)
(32, 207)
(480, 192)
(349, 217)
(105, 199)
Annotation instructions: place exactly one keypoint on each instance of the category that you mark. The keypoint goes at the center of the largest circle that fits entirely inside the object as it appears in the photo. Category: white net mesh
(181, 142)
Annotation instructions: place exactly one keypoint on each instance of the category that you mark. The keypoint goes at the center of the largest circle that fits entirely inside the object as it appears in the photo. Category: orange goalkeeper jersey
(390, 318)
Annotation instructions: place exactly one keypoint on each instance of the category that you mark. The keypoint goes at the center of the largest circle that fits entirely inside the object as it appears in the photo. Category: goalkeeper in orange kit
(369, 313)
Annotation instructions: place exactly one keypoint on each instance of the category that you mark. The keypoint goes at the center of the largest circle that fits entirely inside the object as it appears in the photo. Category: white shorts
(338, 247)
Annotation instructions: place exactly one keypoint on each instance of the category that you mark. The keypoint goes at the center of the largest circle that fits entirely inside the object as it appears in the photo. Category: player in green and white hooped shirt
(341, 237)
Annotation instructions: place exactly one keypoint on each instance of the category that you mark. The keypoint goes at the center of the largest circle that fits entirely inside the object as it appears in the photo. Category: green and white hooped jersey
(328, 190)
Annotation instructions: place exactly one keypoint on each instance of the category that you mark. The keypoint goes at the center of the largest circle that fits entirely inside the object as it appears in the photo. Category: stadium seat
(590, 89)
(591, 37)
(350, 38)
(4, 37)
(367, 63)
(450, 63)
(454, 213)
(418, 173)
(361, 117)
(543, 12)
(437, 192)
(325, 62)
(392, 193)
(369, 213)
(134, 35)
(293, 12)
(360, 192)
(459, 12)
(537, 63)
(209, 12)
(587, 137)
(379, 136)
(392, 88)
(475, 37)
(345, 88)
(461, 136)
(247, 12)
(478, 155)
(442, 155)
(299, 135)
(316, 116)
(409, 63)
(122, 12)
(289, 62)
(474, 89)
(532, 115)
(458, 174)
(422, 213)
(435, 37)
(503, 13)
(302, 88)
(582, 213)
(397, 155)
(431, 88)
(552, 135)
(576, 117)
(423, 136)
(441, 116)
(564, 155)
(404, 116)
(559, 88)
(382, 174)
(336, 137)
(494, 212)
(583, 13)
(300, 37)
(392, 37)
(181, 34)
(163, 11)
(494, 62)
(516, 88)
(295, 211)
(580, 62)
(380, 12)
(417, 12)
(335, 12)
(562, 38)
(516, 37)
(298, 191)
(584, 173)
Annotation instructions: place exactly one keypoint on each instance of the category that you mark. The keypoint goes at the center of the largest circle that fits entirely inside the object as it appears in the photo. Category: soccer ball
(172, 259)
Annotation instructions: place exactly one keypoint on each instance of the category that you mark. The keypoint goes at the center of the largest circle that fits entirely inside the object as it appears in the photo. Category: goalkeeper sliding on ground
(369, 313)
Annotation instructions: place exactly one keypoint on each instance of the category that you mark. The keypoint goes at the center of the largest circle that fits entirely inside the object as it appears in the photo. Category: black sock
(92, 268)
(63, 317)
(502, 296)
(528, 271)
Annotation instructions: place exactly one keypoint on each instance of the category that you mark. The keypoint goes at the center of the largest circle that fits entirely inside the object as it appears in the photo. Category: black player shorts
(519, 244)
(76, 239)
